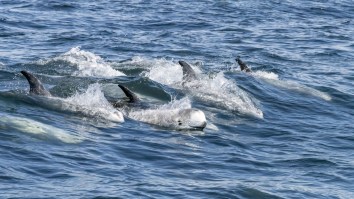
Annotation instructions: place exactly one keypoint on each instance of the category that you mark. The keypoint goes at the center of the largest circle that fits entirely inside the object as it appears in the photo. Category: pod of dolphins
(180, 119)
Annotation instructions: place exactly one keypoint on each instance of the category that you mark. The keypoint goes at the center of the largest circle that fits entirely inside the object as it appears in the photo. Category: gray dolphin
(36, 86)
(181, 119)
(243, 66)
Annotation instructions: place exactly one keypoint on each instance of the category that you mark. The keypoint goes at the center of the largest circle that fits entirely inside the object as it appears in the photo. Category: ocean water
(283, 131)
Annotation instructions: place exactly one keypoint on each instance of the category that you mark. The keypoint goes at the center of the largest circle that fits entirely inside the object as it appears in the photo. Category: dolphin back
(188, 72)
(243, 66)
(36, 86)
(132, 97)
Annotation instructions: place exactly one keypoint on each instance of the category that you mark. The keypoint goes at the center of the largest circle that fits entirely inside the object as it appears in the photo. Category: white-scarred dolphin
(218, 90)
(106, 111)
(180, 119)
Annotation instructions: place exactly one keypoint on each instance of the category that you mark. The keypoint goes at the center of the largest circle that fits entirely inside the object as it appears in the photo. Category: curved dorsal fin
(188, 72)
(243, 66)
(36, 86)
(132, 97)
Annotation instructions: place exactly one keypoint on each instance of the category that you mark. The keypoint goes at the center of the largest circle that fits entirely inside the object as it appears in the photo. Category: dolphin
(36, 86)
(224, 97)
(243, 66)
(36, 128)
(181, 119)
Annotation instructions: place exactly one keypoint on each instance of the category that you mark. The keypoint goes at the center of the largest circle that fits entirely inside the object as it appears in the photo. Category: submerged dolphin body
(38, 129)
(181, 119)
(243, 66)
(36, 86)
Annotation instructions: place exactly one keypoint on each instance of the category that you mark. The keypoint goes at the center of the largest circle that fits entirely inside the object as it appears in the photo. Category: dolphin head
(193, 119)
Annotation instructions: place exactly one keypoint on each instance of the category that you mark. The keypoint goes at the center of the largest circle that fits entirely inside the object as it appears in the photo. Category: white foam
(217, 90)
(30, 126)
(273, 79)
(87, 63)
(93, 102)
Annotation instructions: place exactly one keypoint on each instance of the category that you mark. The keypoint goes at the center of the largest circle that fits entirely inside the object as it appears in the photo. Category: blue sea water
(283, 131)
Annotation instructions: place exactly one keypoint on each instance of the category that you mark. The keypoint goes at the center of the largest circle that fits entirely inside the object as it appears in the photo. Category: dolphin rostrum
(36, 86)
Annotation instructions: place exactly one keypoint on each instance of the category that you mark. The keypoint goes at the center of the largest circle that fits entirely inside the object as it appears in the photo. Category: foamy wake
(216, 90)
(39, 129)
(93, 103)
(273, 79)
(87, 64)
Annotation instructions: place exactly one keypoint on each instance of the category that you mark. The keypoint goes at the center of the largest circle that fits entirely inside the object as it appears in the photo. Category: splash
(42, 130)
(87, 64)
(216, 90)
(273, 79)
(93, 102)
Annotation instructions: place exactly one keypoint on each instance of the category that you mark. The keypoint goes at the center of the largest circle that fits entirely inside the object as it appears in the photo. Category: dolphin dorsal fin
(243, 66)
(36, 86)
(132, 97)
(188, 72)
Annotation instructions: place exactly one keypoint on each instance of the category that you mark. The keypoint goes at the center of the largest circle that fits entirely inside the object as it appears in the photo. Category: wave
(87, 64)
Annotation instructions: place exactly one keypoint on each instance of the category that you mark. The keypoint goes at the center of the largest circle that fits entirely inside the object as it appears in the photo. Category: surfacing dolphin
(180, 119)
(229, 96)
(37, 88)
